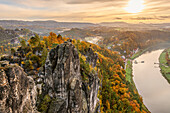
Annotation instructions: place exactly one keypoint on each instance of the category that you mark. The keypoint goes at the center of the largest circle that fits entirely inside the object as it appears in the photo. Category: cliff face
(63, 82)
(17, 90)
(58, 88)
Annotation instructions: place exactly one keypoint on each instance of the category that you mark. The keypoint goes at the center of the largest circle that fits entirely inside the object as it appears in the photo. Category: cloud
(52, 3)
(145, 18)
(165, 17)
(117, 18)
(82, 10)
(151, 18)
(91, 1)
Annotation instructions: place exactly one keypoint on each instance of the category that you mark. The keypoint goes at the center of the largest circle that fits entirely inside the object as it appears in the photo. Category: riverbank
(139, 53)
(150, 83)
(129, 78)
(151, 48)
(165, 68)
(129, 71)
(129, 63)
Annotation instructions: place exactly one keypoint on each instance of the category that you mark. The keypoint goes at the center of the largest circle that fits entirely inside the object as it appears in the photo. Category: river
(150, 83)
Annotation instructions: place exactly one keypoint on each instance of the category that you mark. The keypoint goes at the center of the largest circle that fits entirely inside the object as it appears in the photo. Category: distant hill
(55, 24)
(138, 26)
(43, 26)
(113, 23)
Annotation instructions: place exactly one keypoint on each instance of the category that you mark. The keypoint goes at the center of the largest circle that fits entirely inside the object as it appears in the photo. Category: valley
(99, 59)
(84, 56)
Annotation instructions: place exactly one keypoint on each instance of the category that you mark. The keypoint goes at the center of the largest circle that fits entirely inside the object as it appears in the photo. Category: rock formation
(17, 90)
(58, 88)
(63, 82)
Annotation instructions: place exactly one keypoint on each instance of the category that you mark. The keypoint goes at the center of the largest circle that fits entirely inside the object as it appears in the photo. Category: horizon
(84, 22)
(91, 11)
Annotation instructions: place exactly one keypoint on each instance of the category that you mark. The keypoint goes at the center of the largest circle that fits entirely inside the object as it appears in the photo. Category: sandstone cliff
(64, 84)
(17, 90)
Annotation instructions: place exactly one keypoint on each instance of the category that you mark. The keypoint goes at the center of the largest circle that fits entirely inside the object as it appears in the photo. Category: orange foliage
(54, 39)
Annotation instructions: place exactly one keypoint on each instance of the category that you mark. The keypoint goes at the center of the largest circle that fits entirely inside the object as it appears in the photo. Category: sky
(95, 11)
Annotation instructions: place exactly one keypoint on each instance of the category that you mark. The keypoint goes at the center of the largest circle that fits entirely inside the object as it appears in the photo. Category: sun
(135, 6)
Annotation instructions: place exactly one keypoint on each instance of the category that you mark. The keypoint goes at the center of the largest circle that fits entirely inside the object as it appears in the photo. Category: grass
(165, 69)
(129, 71)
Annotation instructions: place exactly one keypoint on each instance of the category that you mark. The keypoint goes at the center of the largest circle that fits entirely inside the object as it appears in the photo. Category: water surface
(150, 83)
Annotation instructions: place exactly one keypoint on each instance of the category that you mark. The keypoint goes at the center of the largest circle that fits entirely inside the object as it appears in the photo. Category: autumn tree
(34, 41)
(23, 44)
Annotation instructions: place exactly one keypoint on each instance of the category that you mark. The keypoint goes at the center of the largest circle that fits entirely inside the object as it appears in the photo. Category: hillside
(6, 34)
(124, 41)
(164, 61)
(10, 38)
(76, 76)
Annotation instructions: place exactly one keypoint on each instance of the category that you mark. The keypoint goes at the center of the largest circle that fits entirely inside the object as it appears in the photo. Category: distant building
(123, 57)
(135, 50)
(119, 44)
(109, 47)
(15, 41)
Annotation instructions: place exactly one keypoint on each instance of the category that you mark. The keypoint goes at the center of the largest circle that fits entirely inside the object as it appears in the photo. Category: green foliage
(117, 94)
(85, 69)
(34, 41)
(54, 45)
(129, 71)
(29, 54)
(165, 68)
(44, 56)
(23, 44)
(59, 37)
(28, 64)
(34, 58)
(47, 43)
(44, 105)
(12, 51)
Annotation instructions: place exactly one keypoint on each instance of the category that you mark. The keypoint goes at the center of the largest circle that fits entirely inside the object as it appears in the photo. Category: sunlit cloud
(85, 10)
(135, 6)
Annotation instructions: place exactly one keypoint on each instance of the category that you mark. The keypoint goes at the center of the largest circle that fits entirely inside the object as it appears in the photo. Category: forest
(10, 38)
(116, 93)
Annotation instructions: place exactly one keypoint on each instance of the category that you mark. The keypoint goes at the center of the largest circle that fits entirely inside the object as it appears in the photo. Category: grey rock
(64, 83)
(17, 91)
(4, 63)
(60, 79)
